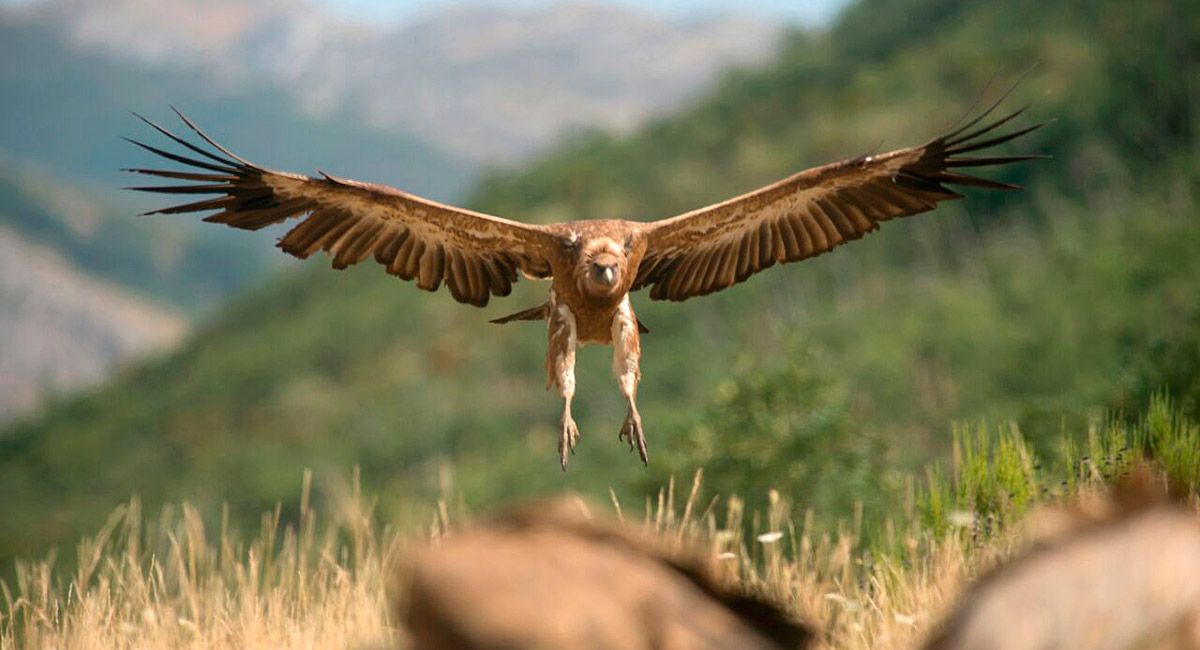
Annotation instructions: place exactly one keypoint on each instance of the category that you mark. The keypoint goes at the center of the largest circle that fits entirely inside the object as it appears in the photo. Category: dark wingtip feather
(183, 160)
(181, 189)
(968, 147)
(993, 107)
(198, 206)
(186, 176)
(945, 154)
(979, 181)
(992, 160)
(950, 142)
(185, 143)
(196, 129)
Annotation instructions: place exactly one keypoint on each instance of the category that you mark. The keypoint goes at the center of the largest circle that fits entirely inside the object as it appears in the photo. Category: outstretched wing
(807, 214)
(475, 255)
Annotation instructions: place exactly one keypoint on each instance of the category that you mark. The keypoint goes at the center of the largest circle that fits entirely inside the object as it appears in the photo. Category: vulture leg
(627, 352)
(560, 368)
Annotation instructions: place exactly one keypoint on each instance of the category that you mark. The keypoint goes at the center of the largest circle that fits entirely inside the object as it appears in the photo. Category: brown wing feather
(475, 255)
(812, 212)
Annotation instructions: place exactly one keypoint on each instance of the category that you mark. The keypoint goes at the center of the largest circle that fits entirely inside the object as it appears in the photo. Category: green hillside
(829, 379)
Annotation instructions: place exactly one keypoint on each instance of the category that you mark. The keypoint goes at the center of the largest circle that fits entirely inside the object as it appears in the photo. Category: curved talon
(632, 433)
(568, 440)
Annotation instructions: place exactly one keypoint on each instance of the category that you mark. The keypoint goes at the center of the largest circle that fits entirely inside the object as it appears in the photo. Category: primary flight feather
(593, 264)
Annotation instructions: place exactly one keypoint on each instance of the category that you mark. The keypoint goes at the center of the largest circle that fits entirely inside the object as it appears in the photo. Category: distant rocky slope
(62, 329)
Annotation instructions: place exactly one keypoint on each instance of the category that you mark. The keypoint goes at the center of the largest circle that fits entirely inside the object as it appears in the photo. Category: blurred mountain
(85, 286)
(488, 84)
(63, 329)
(65, 107)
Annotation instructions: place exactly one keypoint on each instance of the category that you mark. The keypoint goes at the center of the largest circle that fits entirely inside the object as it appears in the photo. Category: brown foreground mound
(549, 575)
(1121, 574)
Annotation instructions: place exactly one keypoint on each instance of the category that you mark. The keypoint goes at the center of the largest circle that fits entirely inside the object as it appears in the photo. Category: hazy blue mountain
(65, 109)
(488, 83)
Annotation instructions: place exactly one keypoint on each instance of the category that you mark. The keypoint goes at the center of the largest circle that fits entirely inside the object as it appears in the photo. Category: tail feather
(542, 312)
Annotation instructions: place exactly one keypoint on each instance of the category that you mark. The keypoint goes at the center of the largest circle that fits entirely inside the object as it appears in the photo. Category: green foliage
(996, 479)
(788, 428)
(1173, 440)
(993, 482)
(935, 508)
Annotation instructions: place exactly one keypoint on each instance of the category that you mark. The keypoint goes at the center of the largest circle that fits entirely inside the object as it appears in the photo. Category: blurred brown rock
(549, 576)
(1118, 574)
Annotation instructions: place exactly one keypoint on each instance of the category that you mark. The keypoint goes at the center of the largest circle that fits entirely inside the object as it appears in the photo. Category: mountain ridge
(488, 84)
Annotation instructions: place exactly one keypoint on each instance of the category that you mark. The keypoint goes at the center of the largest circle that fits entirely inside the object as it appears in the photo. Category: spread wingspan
(476, 255)
(813, 211)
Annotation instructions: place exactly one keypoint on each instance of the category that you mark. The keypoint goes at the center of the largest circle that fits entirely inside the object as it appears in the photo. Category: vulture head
(600, 270)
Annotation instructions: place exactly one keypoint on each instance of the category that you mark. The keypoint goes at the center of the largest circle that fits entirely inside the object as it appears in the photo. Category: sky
(796, 11)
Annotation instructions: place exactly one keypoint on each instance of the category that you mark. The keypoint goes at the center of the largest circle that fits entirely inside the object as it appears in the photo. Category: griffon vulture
(593, 265)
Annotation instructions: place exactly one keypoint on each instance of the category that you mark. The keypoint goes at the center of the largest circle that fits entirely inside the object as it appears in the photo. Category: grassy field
(170, 582)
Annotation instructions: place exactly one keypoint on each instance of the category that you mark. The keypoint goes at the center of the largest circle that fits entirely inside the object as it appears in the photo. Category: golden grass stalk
(321, 581)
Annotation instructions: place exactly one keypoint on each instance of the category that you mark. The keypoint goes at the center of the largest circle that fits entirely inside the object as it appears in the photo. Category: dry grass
(321, 583)
(176, 585)
(857, 598)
